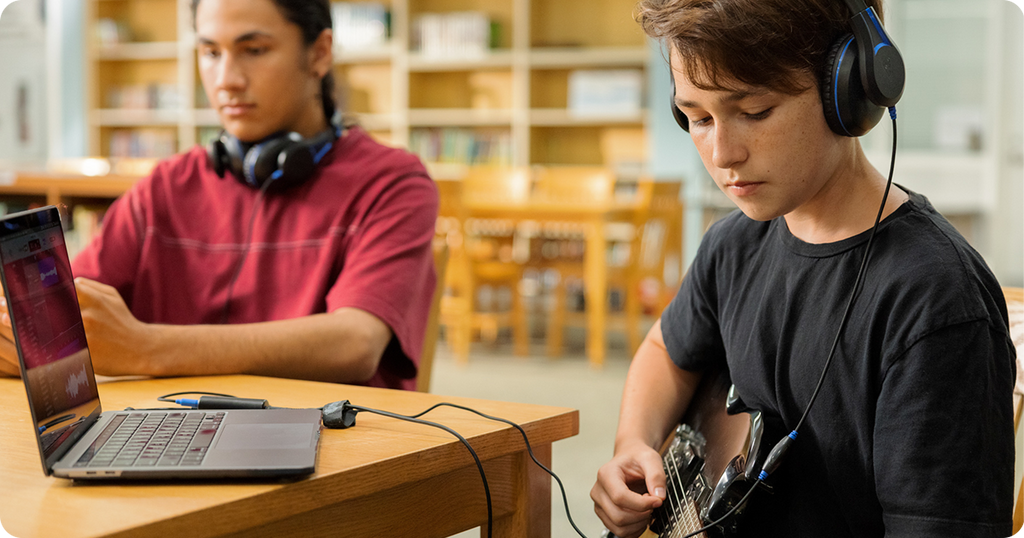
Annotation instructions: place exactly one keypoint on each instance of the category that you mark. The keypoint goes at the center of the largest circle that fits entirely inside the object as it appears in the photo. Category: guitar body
(710, 462)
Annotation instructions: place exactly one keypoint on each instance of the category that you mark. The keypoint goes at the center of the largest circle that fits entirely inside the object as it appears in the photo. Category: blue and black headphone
(865, 74)
(276, 163)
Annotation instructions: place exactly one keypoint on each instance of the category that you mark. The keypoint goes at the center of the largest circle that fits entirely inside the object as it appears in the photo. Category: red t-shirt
(357, 234)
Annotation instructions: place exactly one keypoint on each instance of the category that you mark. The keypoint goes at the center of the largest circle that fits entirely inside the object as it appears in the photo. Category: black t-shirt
(912, 433)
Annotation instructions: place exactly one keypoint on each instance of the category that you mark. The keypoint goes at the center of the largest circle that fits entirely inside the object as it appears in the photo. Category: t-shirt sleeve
(389, 267)
(943, 443)
(689, 324)
(112, 257)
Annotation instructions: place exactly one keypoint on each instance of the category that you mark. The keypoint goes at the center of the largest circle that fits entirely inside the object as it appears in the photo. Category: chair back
(1015, 309)
(582, 185)
(430, 337)
(496, 185)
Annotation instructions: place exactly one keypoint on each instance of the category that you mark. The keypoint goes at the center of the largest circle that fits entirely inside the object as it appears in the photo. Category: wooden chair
(656, 244)
(483, 257)
(652, 237)
(566, 186)
(1015, 307)
(430, 337)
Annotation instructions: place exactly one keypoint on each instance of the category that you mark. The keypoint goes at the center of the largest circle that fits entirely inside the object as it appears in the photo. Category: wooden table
(383, 477)
(58, 187)
(594, 217)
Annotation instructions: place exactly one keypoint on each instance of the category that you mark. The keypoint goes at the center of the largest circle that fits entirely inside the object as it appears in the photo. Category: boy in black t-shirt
(911, 433)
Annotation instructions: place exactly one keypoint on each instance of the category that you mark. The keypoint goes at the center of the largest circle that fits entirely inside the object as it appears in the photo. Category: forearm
(336, 347)
(655, 395)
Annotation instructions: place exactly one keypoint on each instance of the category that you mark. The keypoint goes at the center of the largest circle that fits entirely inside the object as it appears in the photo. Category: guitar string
(675, 488)
(670, 496)
(679, 512)
(684, 511)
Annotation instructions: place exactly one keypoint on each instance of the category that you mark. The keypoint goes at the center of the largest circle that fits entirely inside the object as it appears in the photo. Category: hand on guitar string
(622, 496)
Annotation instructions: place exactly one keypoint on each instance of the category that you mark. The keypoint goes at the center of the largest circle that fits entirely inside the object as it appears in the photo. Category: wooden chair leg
(520, 327)
(462, 338)
(556, 323)
(632, 310)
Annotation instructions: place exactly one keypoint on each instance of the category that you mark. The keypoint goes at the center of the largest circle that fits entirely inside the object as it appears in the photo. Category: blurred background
(571, 203)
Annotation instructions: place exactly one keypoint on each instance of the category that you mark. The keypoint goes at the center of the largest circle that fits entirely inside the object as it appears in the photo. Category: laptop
(76, 438)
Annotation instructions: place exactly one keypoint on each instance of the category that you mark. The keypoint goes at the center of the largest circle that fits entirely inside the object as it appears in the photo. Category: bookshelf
(508, 96)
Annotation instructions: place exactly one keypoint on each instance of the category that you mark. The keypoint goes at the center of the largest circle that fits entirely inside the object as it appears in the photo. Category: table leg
(531, 515)
(596, 287)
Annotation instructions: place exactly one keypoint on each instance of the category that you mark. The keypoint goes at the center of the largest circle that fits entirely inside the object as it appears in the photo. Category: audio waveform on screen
(75, 382)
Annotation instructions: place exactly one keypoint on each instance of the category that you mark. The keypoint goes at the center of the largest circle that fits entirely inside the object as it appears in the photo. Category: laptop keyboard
(148, 439)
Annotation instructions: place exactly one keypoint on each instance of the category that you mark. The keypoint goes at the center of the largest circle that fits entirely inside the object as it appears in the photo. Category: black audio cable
(342, 415)
(257, 205)
(417, 420)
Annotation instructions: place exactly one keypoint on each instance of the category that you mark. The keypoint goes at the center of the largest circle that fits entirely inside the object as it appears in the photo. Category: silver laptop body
(76, 438)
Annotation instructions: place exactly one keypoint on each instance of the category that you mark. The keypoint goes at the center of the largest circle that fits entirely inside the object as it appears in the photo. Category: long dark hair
(312, 17)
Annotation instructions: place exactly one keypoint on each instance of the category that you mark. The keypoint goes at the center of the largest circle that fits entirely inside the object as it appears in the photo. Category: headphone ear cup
(217, 154)
(295, 164)
(848, 111)
(261, 162)
(226, 154)
(680, 118)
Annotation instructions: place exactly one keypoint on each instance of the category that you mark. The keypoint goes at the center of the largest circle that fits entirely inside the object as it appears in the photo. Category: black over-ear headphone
(864, 74)
(276, 163)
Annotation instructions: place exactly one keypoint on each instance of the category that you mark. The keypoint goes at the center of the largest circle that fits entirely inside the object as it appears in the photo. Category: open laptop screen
(48, 330)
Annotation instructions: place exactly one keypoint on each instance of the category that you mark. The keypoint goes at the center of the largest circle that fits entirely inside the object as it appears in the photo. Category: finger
(95, 286)
(88, 292)
(654, 476)
(5, 319)
(620, 505)
(9, 365)
(621, 529)
(615, 481)
(5, 326)
(92, 293)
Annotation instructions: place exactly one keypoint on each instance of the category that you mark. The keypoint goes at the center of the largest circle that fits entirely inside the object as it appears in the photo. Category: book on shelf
(147, 143)
(605, 92)
(464, 146)
(112, 31)
(86, 220)
(360, 25)
(154, 96)
(458, 34)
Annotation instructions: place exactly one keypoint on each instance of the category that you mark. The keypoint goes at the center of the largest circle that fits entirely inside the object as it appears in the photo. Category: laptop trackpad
(264, 436)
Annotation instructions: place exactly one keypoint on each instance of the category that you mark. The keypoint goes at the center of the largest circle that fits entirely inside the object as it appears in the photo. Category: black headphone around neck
(276, 163)
(864, 74)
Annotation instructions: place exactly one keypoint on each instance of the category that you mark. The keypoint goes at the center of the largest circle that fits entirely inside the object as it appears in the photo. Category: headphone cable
(257, 205)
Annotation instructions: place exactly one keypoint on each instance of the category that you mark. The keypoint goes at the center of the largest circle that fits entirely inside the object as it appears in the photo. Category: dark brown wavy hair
(767, 43)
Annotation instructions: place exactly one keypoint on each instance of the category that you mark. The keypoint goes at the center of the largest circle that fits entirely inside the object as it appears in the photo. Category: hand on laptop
(114, 334)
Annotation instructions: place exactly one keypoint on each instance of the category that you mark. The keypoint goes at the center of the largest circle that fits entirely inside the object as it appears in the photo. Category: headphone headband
(881, 67)
(864, 72)
(278, 162)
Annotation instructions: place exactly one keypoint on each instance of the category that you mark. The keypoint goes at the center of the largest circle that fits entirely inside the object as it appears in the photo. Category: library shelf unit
(145, 99)
(81, 199)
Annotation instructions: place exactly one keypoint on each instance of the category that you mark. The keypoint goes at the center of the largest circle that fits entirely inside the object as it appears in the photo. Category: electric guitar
(710, 462)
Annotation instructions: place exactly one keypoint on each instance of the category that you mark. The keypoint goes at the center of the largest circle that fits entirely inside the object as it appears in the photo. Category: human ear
(321, 53)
